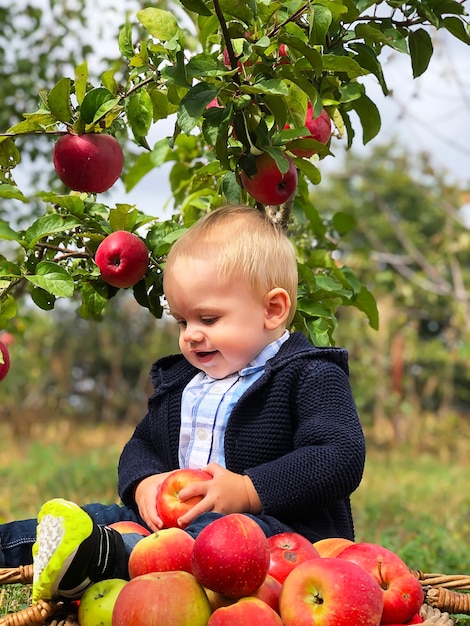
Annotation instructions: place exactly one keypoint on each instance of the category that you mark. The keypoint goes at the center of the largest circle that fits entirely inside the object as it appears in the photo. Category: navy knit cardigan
(295, 432)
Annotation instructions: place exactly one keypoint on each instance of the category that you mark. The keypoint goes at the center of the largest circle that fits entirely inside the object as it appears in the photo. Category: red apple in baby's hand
(162, 599)
(165, 550)
(4, 360)
(231, 556)
(331, 546)
(90, 162)
(249, 611)
(402, 591)
(123, 259)
(268, 185)
(286, 551)
(330, 592)
(126, 526)
(169, 506)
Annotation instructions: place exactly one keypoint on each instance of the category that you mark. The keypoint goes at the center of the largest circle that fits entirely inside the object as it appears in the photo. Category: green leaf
(197, 6)
(10, 270)
(93, 302)
(140, 113)
(96, 104)
(231, 188)
(123, 217)
(147, 162)
(9, 154)
(370, 117)
(126, 45)
(421, 50)
(193, 105)
(59, 100)
(43, 299)
(272, 86)
(320, 23)
(159, 23)
(81, 78)
(49, 225)
(6, 232)
(365, 302)
(12, 193)
(8, 310)
(335, 63)
(33, 122)
(53, 279)
(308, 169)
(456, 28)
(205, 65)
(366, 57)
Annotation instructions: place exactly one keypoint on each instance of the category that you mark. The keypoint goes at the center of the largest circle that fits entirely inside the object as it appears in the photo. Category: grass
(418, 505)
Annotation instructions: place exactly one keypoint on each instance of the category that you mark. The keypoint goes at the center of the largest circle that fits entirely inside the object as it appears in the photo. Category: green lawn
(415, 504)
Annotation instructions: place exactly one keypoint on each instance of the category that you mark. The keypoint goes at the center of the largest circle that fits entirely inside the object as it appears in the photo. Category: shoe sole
(62, 527)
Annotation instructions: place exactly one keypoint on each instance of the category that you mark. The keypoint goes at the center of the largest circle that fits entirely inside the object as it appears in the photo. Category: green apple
(97, 603)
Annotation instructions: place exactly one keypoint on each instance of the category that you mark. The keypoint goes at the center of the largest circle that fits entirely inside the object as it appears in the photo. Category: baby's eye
(181, 323)
(209, 320)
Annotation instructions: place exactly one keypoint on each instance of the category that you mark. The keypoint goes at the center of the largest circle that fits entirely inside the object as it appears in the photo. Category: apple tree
(245, 86)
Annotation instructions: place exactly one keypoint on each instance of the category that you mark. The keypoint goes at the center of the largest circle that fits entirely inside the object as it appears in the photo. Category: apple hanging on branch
(90, 162)
(4, 361)
(265, 182)
(123, 259)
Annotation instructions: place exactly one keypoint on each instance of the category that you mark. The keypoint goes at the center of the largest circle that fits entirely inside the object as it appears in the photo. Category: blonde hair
(248, 246)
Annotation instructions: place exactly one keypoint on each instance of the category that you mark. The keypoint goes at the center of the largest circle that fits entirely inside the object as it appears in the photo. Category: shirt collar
(266, 353)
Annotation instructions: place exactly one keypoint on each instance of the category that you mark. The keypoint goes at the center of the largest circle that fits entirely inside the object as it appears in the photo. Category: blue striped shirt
(206, 406)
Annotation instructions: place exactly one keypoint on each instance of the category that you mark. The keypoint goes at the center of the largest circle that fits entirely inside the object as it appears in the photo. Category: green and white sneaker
(72, 551)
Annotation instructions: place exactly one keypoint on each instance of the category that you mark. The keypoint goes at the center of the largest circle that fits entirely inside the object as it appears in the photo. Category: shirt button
(217, 389)
(201, 434)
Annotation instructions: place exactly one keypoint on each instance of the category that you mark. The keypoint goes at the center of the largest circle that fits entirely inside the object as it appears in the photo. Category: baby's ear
(277, 304)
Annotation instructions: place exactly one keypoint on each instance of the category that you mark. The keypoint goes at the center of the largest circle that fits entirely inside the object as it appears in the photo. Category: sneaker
(72, 551)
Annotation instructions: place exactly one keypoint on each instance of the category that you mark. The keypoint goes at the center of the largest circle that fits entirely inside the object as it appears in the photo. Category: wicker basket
(444, 596)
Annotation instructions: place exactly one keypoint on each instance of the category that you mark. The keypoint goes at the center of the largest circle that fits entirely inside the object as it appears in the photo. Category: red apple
(4, 360)
(416, 619)
(269, 185)
(269, 592)
(286, 551)
(126, 526)
(97, 602)
(331, 546)
(231, 556)
(249, 611)
(91, 162)
(165, 550)
(169, 506)
(320, 130)
(162, 599)
(402, 591)
(327, 592)
(123, 259)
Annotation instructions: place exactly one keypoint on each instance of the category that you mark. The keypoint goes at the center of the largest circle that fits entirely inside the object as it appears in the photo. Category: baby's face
(222, 321)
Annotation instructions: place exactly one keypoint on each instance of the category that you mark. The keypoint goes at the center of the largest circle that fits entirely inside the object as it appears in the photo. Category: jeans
(17, 538)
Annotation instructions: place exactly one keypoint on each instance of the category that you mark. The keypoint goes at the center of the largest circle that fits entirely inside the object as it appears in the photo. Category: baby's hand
(227, 492)
(146, 499)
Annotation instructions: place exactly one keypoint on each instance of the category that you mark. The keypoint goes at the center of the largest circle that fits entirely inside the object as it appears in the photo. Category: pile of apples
(231, 574)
